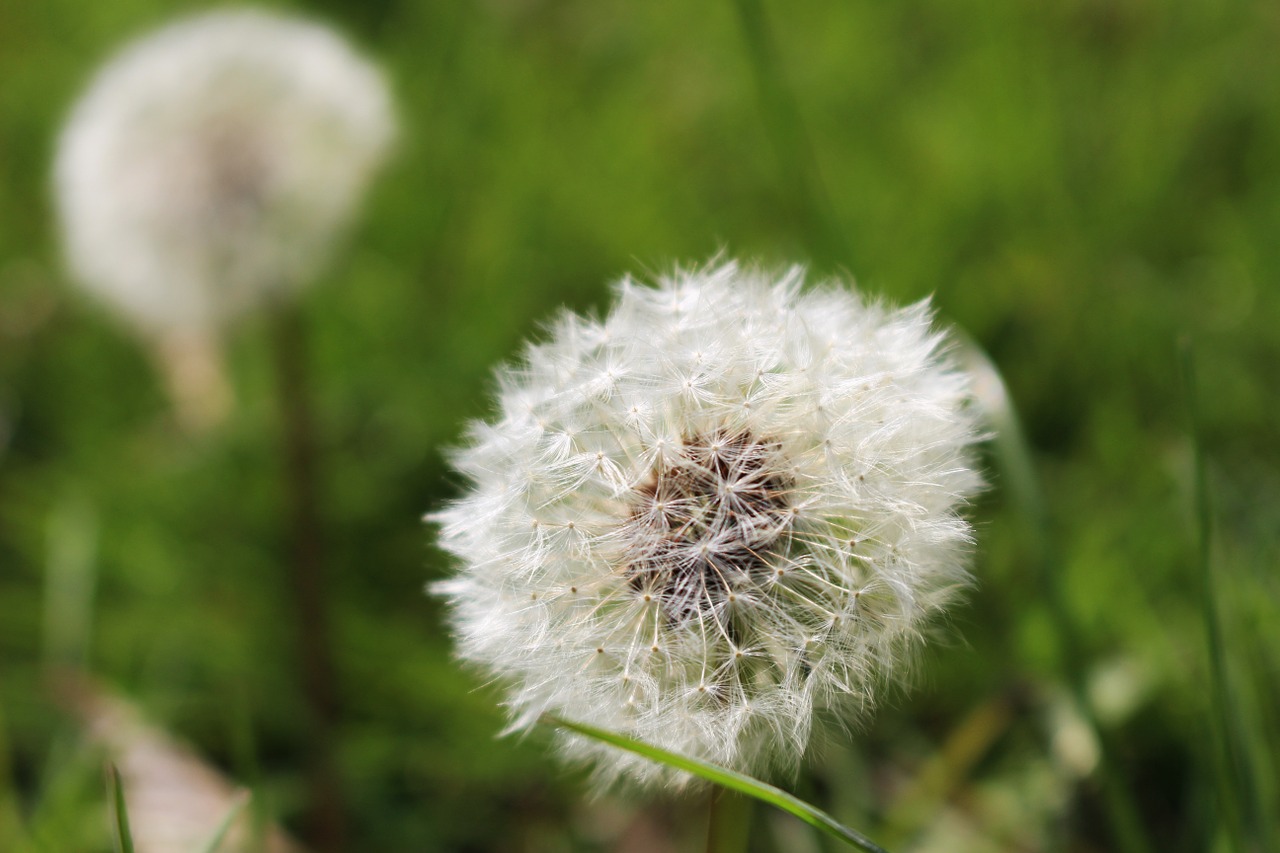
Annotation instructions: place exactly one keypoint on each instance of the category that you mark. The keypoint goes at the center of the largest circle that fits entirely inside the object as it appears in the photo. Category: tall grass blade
(730, 779)
(220, 833)
(1238, 792)
(123, 837)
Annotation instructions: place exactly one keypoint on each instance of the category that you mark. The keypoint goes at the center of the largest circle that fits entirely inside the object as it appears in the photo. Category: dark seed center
(706, 523)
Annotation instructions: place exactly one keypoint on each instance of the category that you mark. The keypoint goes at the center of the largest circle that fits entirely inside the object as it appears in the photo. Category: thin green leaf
(123, 838)
(729, 779)
(1237, 788)
(220, 834)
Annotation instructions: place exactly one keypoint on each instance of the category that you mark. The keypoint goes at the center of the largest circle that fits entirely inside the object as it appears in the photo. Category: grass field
(1080, 186)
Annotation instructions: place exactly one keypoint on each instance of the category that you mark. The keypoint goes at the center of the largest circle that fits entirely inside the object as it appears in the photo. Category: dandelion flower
(211, 164)
(729, 504)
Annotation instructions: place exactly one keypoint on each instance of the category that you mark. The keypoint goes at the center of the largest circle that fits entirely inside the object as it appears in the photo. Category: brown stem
(326, 823)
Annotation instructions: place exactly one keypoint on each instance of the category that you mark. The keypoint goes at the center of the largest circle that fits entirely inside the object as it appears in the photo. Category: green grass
(1243, 808)
(1077, 185)
(729, 780)
(122, 837)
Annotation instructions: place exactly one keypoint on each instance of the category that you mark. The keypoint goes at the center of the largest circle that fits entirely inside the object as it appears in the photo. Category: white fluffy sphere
(211, 164)
(731, 502)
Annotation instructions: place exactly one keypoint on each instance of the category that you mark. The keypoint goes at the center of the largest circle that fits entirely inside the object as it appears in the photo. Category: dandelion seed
(210, 167)
(718, 564)
(215, 160)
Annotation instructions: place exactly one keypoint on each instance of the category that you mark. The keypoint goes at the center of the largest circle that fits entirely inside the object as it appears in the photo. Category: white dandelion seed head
(730, 503)
(211, 164)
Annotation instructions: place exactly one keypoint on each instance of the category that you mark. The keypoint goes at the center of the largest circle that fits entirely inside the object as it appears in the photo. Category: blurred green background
(1079, 185)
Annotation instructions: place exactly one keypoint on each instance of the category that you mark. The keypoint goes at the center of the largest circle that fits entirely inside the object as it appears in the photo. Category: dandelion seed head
(211, 164)
(733, 569)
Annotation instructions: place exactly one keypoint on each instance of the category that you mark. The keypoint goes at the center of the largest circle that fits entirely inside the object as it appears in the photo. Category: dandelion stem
(790, 140)
(191, 363)
(1238, 793)
(306, 577)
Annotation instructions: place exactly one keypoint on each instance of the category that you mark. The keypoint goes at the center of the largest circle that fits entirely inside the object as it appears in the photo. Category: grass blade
(123, 838)
(1238, 793)
(220, 834)
(730, 779)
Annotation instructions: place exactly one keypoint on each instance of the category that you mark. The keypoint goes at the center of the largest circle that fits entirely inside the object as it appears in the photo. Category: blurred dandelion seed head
(729, 503)
(211, 164)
